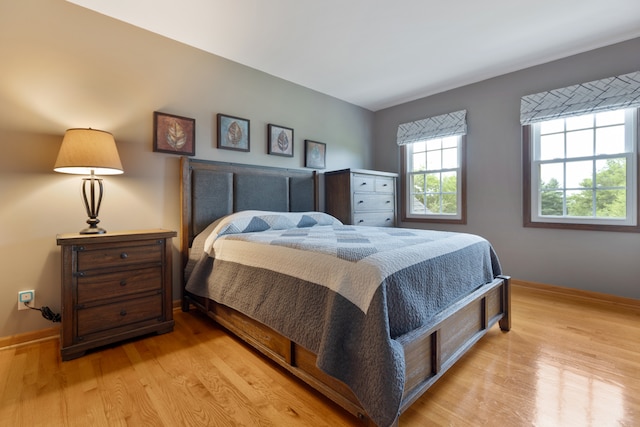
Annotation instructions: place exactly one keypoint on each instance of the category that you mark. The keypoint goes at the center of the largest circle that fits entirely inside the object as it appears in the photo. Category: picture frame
(279, 140)
(174, 134)
(233, 133)
(315, 154)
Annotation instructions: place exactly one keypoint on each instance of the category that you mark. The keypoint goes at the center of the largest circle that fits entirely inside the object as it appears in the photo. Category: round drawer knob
(123, 313)
(124, 255)
(123, 282)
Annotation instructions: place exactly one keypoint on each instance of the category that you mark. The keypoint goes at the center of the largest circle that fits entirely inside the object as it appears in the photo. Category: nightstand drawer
(119, 283)
(114, 256)
(370, 202)
(109, 316)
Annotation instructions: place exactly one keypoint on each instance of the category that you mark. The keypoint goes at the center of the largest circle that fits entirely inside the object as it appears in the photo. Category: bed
(373, 339)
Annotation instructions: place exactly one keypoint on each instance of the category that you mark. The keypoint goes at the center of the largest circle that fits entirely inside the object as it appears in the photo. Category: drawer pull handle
(361, 221)
(124, 255)
(364, 183)
(361, 201)
(123, 313)
(123, 282)
(388, 201)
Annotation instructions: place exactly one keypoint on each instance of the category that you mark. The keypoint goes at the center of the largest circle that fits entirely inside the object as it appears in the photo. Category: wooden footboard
(429, 351)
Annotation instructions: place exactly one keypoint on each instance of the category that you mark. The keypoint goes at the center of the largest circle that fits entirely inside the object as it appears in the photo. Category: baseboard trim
(29, 337)
(54, 332)
(579, 293)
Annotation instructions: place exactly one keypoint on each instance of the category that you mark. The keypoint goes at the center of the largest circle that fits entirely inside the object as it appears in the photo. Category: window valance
(608, 94)
(433, 127)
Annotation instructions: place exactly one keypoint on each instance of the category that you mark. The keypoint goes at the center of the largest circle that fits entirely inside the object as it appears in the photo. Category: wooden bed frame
(429, 351)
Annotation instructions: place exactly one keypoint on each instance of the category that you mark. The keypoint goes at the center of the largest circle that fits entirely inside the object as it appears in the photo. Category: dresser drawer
(364, 183)
(109, 316)
(372, 202)
(375, 219)
(114, 256)
(385, 185)
(119, 283)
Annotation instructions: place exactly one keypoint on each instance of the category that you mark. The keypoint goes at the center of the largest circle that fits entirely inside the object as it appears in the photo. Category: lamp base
(95, 230)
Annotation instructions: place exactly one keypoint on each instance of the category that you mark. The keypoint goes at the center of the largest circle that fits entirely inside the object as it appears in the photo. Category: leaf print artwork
(234, 134)
(176, 136)
(283, 141)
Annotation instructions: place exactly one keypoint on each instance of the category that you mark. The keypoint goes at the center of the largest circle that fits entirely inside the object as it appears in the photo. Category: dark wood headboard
(210, 190)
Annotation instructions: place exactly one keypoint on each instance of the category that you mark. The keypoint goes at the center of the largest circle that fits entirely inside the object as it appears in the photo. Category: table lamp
(89, 152)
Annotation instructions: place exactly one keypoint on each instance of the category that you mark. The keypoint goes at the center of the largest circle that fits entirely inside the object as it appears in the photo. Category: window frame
(461, 217)
(530, 219)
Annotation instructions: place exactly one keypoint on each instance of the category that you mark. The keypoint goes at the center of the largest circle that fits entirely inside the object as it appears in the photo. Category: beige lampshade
(86, 150)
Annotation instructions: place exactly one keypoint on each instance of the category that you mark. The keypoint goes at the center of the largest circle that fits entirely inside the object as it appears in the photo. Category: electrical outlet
(26, 296)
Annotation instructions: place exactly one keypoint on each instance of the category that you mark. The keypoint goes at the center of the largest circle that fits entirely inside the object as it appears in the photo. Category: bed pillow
(253, 221)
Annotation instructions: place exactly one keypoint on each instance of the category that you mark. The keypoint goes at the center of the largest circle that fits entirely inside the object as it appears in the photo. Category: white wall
(596, 261)
(63, 66)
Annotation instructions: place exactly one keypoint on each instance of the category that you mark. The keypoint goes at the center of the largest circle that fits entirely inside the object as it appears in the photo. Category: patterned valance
(608, 94)
(433, 127)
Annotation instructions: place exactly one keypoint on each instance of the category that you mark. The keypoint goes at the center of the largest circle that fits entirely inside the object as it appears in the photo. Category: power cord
(46, 313)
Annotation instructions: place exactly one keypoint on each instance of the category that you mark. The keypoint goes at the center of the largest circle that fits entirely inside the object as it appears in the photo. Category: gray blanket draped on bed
(351, 325)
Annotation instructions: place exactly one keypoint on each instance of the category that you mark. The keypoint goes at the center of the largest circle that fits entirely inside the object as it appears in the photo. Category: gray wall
(596, 261)
(64, 66)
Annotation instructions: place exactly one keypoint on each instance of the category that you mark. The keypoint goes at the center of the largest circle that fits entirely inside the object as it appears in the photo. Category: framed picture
(280, 140)
(174, 134)
(233, 133)
(315, 154)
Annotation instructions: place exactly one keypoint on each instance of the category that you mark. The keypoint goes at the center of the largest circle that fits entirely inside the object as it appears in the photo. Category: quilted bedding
(343, 292)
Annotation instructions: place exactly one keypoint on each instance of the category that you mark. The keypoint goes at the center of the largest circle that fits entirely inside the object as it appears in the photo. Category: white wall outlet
(26, 296)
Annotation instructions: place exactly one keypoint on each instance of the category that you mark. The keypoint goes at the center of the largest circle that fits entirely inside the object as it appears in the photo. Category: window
(582, 171)
(433, 180)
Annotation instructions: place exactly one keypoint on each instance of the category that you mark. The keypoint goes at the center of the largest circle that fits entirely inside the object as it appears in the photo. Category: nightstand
(115, 286)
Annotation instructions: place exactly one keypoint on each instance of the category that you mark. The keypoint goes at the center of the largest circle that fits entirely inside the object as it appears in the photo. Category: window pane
(580, 203)
(433, 183)
(450, 142)
(433, 203)
(610, 140)
(579, 122)
(419, 162)
(434, 160)
(611, 203)
(611, 173)
(450, 158)
(552, 146)
(417, 204)
(552, 176)
(551, 203)
(449, 182)
(449, 204)
(552, 126)
(418, 146)
(610, 118)
(580, 143)
(417, 184)
(579, 174)
(434, 144)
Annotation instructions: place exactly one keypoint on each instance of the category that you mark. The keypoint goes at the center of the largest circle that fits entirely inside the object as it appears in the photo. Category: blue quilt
(344, 292)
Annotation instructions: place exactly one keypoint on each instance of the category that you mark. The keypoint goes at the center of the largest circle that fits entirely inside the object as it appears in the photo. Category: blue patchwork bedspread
(343, 292)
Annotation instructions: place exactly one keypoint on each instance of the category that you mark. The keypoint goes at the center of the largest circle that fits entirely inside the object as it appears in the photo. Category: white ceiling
(380, 53)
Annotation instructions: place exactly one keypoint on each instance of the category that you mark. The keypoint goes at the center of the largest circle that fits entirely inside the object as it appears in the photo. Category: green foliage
(610, 194)
(427, 192)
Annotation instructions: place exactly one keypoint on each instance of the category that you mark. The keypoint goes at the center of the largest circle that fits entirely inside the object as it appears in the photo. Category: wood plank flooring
(566, 362)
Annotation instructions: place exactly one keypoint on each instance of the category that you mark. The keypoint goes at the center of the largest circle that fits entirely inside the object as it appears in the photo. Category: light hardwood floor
(567, 361)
